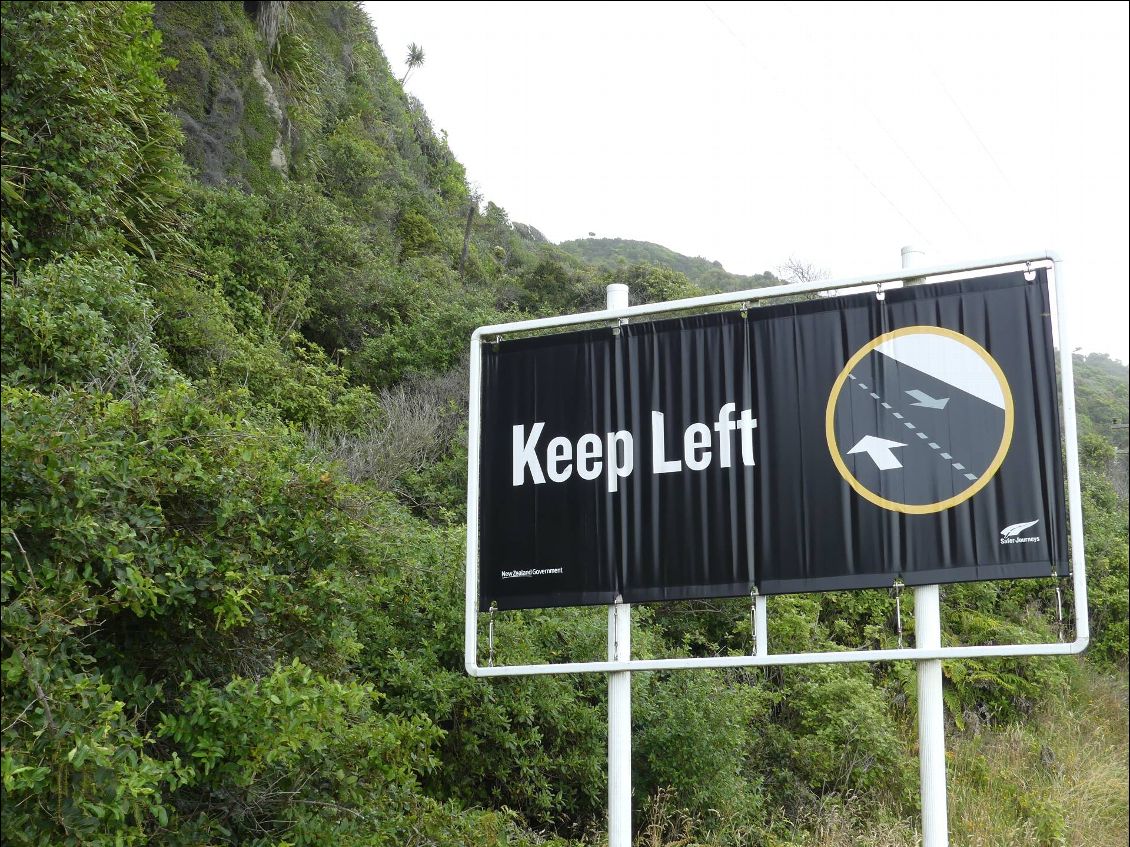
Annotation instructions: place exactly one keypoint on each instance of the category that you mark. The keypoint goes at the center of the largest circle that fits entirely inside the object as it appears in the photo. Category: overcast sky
(833, 133)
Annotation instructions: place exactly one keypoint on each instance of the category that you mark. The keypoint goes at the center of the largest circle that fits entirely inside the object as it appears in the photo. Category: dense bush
(1106, 516)
(84, 321)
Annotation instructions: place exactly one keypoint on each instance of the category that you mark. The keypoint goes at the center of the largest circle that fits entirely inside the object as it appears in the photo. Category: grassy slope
(1060, 778)
(1057, 778)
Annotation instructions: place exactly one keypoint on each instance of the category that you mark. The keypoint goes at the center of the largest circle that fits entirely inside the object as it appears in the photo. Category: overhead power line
(785, 89)
(976, 135)
(862, 102)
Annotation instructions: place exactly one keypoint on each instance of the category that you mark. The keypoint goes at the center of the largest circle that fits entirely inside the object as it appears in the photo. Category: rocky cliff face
(231, 113)
(242, 72)
(269, 91)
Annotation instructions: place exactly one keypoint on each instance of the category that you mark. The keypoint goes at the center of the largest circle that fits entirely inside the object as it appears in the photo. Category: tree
(797, 270)
(472, 207)
(415, 59)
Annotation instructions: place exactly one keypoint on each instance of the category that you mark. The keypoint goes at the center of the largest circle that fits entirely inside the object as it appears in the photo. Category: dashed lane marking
(915, 490)
(932, 444)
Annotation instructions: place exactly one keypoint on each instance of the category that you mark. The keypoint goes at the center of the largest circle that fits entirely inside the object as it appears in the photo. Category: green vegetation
(707, 275)
(239, 272)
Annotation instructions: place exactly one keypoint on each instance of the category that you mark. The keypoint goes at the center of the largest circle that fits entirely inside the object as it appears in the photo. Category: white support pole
(619, 691)
(931, 716)
(760, 626)
(619, 728)
(912, 257)
(931, 720)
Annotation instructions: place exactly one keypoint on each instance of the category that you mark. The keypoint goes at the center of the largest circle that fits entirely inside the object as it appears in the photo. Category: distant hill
(706, 274)
(1101, 395)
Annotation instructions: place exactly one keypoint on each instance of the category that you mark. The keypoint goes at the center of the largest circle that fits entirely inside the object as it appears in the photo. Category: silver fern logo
(1011, 534)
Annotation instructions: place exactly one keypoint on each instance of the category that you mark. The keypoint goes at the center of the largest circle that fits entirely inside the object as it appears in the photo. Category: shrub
(82, 321)
(89, 149)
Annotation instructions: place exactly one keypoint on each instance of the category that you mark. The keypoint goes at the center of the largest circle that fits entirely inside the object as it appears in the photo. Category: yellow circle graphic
(979, 483)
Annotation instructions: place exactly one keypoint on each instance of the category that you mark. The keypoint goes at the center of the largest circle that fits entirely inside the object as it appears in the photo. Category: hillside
(1102, 396)
(708, 275)
(239, 270)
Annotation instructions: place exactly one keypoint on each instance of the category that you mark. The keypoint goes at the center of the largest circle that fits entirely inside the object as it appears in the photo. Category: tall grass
(1059, 779)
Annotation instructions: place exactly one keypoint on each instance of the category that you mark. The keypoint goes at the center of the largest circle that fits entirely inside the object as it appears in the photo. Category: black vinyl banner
(836, 443)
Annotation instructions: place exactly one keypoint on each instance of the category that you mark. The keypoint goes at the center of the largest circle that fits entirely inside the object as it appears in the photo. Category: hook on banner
(1058, 605)
(1029, 274)
(753, 618)
(896, 590)
(490, 636)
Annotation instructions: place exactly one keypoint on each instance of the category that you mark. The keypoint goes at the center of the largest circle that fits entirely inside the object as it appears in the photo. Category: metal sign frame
(762, 656)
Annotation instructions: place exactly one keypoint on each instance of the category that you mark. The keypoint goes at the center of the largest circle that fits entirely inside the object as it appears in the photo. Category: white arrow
(879, 449)
(926, 400)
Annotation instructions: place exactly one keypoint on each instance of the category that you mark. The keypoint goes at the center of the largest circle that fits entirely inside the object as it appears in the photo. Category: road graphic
(919, 419)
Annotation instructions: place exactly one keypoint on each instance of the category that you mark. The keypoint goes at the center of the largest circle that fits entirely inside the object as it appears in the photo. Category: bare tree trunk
(472, 203)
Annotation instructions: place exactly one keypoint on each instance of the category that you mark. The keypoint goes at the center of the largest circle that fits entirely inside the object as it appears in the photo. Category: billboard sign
(834, 443)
